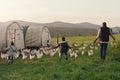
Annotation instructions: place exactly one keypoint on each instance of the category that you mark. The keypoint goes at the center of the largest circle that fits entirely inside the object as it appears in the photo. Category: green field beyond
(84, 67)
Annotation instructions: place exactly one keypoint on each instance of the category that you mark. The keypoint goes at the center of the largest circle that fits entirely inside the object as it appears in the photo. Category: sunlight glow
(75, 11)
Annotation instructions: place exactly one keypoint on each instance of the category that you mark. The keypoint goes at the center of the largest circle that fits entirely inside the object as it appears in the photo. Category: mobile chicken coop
(37, 37)
(24, 36)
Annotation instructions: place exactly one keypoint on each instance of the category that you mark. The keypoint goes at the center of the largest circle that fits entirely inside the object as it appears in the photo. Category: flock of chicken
(76, 49)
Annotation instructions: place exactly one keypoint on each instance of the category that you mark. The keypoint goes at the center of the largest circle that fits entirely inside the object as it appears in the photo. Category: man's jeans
(103, 50)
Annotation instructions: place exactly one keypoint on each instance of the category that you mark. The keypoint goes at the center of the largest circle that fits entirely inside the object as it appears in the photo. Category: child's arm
(69, 46)
(57, 46)
(6, 49)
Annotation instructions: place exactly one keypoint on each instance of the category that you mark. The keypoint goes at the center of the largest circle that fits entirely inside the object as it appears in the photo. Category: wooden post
(57, 39)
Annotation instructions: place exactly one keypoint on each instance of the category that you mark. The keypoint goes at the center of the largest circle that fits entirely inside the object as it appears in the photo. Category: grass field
(81, 68)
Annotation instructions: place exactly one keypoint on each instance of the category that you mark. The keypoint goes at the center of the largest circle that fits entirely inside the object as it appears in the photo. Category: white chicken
(90, 52)
(39, 54)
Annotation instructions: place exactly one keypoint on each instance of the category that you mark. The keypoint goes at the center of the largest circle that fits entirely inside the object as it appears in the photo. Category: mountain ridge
(64, 28)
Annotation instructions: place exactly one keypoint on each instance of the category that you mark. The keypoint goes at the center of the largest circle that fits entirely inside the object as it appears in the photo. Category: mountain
(70, 29)
(24, 23)
(56, 24)
(88, 25)
(116, 29)
(64, 28)
(59, 24)
(77, 25)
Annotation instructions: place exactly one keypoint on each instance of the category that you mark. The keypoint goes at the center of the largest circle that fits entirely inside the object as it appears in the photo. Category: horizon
(74, 11)
(58, 21)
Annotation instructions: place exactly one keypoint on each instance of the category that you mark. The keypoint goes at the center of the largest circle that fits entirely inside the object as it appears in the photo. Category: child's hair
(63, 38)
(12, 43)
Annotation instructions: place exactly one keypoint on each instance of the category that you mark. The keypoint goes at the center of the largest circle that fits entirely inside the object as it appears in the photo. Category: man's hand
(114, 39)
(94, 41)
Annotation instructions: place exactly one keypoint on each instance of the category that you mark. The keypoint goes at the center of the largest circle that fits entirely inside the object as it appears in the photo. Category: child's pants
(61, 54)
(10, 59)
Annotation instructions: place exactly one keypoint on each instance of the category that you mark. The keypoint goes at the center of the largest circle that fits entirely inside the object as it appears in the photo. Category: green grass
(49, 68)
(82, 39)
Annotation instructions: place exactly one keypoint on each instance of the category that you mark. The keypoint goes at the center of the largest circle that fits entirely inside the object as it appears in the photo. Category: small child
(11, 53)
(64, 47)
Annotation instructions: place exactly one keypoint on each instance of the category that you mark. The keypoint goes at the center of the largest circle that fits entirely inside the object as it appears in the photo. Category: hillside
(84, 25)
(116, 29)
(69, 31)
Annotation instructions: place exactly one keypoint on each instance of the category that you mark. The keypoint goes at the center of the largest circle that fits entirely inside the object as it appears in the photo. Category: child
(11, 53)
(64, 47)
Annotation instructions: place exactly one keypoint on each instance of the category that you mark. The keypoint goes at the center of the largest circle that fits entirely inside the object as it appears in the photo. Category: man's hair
(63, 38)
(104, 24)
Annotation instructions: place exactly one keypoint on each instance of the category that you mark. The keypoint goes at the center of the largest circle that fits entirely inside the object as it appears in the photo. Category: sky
(73, 11)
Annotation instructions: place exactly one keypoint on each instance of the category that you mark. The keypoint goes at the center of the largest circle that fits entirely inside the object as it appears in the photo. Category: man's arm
(97, 37)
(111, 34)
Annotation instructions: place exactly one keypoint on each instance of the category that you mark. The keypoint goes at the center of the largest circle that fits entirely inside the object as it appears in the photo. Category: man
(64, 47)
(103, 34)
(11, 53)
